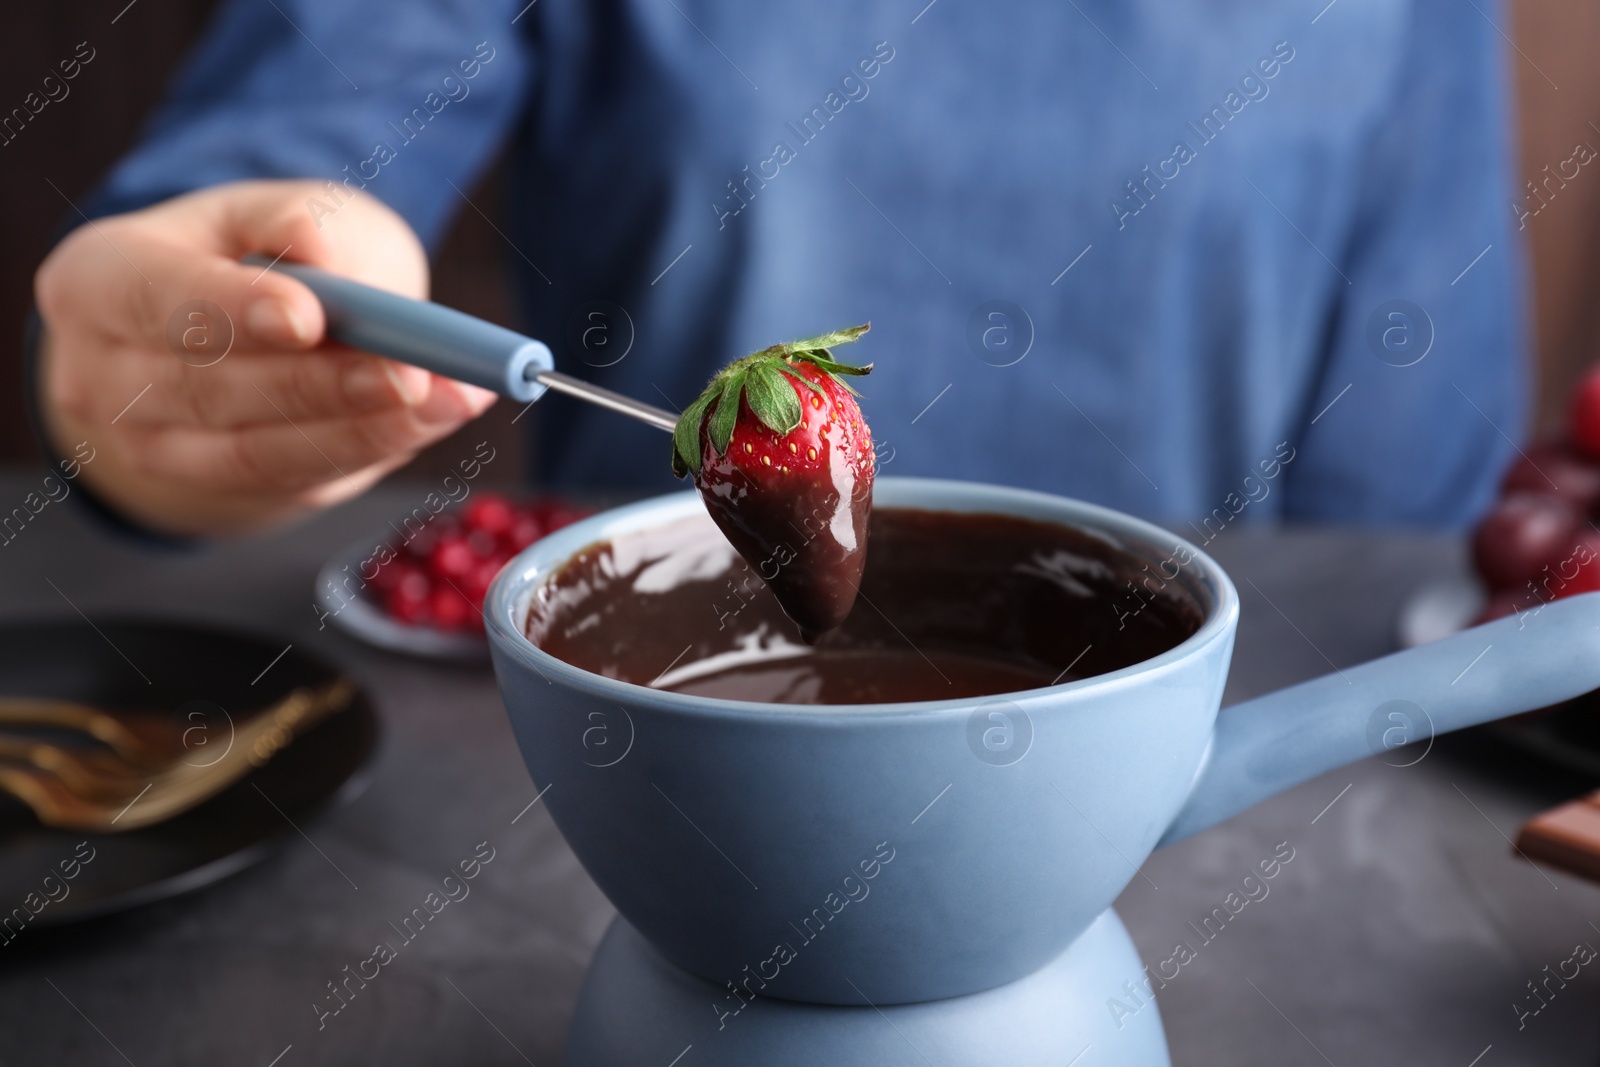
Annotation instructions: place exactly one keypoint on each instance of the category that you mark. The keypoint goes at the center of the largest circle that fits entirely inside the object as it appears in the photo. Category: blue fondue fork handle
(424, 334)
(1264, 746)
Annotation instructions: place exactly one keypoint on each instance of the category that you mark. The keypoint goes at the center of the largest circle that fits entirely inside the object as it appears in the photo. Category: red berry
(1585, 415)
(1523, 533)
(408, 600)
(409, 612)
(450, 608)
(414, 585)
(388, 574)
(483, 544)
(554, 514)
(476, 585)
(1556, 469)
(453, 558)
(425, 539)
(488, 512)
(525, 530)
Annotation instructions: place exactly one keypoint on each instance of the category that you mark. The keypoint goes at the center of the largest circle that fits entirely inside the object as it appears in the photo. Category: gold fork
(93, 773)
(138, 743)
(87, 791)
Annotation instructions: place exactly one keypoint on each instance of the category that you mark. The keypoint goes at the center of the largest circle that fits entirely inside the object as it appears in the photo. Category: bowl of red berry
(418, 587)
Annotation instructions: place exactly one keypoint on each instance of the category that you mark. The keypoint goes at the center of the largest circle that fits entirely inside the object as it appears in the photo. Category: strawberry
(783, 460)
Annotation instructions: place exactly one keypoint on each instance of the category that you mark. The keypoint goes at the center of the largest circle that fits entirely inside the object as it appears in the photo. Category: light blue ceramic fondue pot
(893, 854)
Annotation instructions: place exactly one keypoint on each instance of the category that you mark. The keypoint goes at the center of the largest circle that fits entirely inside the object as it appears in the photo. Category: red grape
(1504, 602)
(1523, 533)
(1556, 469)
(1578, 569)
(1585, 414)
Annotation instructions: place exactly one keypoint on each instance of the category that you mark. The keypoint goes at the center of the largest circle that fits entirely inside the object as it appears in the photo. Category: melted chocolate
(953, 605)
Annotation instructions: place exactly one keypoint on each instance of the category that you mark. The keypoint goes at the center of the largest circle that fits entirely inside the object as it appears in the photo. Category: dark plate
(108, 667)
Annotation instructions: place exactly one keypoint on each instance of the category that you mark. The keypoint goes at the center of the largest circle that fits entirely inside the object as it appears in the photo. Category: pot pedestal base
(636, 1008)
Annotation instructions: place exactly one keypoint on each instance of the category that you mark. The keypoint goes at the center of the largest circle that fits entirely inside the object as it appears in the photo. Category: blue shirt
(1225, 259)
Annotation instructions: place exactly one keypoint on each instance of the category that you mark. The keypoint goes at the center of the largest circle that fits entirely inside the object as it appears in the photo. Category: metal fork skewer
(594, 394)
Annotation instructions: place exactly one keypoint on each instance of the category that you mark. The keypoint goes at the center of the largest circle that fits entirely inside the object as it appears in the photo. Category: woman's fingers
(288, 456)
(206, 383)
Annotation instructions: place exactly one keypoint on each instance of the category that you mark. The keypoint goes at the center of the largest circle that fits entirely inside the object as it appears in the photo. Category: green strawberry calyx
(762, 379)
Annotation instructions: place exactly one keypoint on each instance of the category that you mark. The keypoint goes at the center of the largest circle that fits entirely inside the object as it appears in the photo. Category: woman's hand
(231, 415)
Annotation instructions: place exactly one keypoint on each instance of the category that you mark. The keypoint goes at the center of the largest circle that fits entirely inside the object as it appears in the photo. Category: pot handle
(1264, 746)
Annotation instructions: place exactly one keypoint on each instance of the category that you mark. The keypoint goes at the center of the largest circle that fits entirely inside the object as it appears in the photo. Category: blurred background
(101, 119)
(1558, 106)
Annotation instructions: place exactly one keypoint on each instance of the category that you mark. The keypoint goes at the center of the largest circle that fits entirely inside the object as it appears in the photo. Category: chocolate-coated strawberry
(783, 460)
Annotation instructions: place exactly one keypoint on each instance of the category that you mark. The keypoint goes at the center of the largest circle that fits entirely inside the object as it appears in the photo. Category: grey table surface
(1402, 932)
